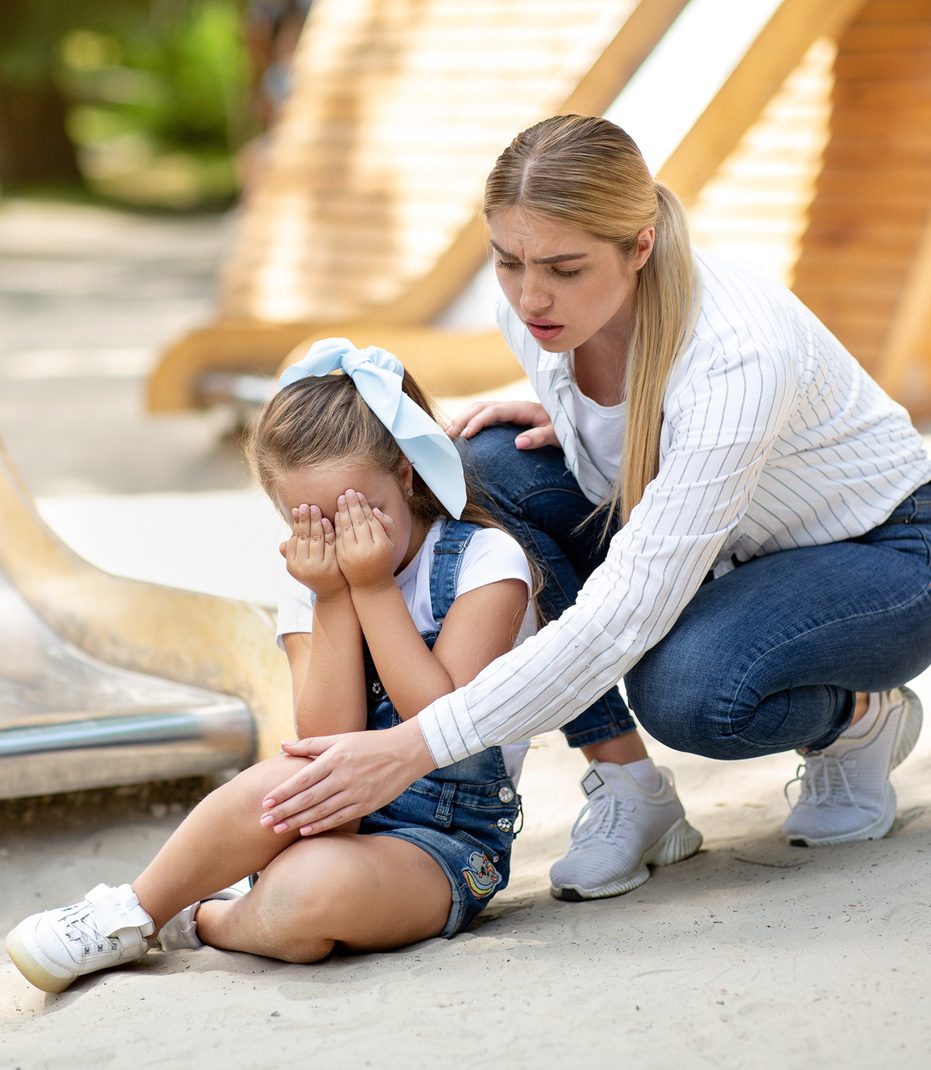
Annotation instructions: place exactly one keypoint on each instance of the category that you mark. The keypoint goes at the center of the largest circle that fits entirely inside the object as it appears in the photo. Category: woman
(766, 583)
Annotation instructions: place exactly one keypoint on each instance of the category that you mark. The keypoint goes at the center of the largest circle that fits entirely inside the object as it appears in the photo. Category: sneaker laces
(601, 817)
(824, 781)
(78, 922)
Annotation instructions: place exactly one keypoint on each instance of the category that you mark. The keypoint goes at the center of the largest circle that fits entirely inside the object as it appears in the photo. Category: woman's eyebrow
(561, 258)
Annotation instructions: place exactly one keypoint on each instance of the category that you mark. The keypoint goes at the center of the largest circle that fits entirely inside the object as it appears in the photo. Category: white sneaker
(107, 928)
(845, 790)
(180, 932)
(621, 831)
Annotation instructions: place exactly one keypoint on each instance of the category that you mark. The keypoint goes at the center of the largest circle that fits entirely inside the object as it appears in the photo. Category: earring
(410, 492)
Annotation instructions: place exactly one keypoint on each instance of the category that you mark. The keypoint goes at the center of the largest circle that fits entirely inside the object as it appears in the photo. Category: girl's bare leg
(218, 843)
(365, 893)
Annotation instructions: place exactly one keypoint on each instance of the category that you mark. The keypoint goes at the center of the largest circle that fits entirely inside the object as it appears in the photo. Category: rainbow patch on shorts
(481, 876)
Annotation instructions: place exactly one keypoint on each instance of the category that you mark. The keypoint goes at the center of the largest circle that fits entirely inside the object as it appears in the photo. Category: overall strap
(447, 561)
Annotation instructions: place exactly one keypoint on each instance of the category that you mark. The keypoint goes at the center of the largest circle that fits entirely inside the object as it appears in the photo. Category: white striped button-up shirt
(773, 437)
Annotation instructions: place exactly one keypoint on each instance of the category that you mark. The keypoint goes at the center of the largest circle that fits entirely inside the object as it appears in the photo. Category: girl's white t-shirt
(491, 555)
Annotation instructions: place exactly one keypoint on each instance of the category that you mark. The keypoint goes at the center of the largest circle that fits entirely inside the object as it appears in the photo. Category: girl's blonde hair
(586, 172)
(324, 421)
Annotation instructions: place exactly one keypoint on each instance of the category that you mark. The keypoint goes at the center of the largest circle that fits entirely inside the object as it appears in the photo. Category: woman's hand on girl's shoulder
(365, 546)
(310, 552)
(529, 414)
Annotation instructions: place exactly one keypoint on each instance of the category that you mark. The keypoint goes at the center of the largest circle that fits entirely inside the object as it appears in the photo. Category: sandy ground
(751, 954)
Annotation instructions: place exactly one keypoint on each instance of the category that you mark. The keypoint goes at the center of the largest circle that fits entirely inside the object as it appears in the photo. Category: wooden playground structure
(812, 160)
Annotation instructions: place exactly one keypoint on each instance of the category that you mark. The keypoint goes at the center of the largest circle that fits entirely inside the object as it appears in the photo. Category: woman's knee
(485, 450)
(490, 459)
(683, 709)
(716, 716)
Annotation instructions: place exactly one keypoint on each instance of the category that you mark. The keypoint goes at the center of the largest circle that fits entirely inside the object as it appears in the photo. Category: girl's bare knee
(305, 949)
(297, 908)
(254, 783)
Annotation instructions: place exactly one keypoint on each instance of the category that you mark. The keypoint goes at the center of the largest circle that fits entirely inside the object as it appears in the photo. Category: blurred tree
(172, 71)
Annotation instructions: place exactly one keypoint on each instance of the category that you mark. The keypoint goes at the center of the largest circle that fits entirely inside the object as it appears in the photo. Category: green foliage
(169, 76)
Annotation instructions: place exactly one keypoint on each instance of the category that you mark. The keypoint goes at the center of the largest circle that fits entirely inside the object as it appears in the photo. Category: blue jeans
(534, 495)
(769, 657)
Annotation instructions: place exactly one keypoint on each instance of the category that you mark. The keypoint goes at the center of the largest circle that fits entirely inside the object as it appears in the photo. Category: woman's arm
(327, 671)
(721, 423)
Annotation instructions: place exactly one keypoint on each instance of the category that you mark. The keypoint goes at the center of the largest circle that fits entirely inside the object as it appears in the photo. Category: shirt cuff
(448, 730)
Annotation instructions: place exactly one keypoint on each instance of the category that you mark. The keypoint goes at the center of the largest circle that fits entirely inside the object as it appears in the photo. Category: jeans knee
(489, 456)
(684, 715)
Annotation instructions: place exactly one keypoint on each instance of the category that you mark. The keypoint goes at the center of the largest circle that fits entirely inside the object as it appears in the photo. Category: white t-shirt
(490, 556)
(600, 430)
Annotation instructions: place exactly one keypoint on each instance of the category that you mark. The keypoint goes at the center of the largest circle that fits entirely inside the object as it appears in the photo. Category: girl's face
(565, 285)
(323, 486)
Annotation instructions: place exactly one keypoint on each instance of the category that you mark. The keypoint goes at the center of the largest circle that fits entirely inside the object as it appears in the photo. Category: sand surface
(751, 954)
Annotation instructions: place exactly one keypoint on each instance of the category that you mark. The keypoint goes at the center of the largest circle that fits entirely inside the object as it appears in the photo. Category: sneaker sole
(33, 971)
(909, 731)
(679, 842)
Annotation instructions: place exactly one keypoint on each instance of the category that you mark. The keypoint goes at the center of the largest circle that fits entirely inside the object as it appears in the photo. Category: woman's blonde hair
(586, 172)
(324, 420)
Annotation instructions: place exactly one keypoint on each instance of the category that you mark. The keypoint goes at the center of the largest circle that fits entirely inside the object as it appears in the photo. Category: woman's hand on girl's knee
(529, 414)
(351, 776)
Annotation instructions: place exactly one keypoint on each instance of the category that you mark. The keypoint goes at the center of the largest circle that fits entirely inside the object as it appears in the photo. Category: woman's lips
(543, 330)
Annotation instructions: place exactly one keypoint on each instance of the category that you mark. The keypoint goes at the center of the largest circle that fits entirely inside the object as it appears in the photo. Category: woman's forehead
(518, 229)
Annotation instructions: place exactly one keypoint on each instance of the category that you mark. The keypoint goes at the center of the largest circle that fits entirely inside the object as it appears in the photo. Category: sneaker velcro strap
(118, 908)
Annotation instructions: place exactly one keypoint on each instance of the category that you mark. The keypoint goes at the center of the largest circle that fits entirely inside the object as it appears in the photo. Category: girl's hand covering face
(310, 552)
(365, 547)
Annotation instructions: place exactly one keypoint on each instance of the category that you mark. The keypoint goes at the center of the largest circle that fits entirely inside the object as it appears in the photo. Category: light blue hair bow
(377, 375)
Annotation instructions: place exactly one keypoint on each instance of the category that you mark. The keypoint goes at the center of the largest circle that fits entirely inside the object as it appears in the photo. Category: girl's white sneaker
(107, 928)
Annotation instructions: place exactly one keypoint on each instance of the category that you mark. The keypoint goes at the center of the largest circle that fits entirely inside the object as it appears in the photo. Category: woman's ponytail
(667, 301)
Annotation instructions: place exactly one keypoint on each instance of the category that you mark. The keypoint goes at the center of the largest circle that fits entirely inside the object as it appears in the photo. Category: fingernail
(267, 819)
(268, 801)
(306, 830)
(521, 442)
(282, 826)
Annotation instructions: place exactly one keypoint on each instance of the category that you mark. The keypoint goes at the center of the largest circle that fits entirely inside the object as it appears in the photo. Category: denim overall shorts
(463, 816)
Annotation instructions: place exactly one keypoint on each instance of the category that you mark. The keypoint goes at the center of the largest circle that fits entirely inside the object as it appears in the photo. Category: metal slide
(69, 721)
